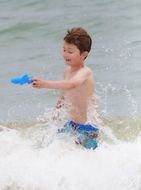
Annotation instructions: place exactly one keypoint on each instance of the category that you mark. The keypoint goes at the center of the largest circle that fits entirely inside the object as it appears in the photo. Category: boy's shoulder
(82, 72)
(86, 70)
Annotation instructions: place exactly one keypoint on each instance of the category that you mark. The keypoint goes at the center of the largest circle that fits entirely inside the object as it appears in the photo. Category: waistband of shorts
(84, 127)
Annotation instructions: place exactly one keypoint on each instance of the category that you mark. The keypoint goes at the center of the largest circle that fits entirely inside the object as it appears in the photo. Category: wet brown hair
(80, 38)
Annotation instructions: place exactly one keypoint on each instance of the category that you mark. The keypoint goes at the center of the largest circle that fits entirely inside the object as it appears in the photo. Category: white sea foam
(61, 165)
(35, 157)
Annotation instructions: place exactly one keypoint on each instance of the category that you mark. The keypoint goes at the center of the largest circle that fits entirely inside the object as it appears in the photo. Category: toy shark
(25, 79)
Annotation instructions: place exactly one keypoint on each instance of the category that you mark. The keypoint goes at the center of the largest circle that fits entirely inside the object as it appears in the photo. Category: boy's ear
(85, 54)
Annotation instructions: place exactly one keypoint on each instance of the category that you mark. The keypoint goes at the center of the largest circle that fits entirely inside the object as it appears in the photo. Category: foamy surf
(28, 161)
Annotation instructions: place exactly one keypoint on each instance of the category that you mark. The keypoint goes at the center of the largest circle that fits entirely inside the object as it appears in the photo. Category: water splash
(110, 95)
(63, 165)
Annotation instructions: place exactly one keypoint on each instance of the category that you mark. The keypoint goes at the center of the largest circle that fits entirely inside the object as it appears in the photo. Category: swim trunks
(86, 133)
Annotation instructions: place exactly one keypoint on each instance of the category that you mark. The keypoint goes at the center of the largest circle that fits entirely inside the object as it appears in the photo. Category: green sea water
(32, 157)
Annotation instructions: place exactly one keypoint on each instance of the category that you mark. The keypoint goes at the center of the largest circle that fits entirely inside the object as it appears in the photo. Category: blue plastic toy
(25, 79)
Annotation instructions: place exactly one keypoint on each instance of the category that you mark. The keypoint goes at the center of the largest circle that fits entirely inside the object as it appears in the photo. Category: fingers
(34, 80)
(36, 83)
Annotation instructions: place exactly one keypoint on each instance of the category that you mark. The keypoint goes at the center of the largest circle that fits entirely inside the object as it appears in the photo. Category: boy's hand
(38, 83)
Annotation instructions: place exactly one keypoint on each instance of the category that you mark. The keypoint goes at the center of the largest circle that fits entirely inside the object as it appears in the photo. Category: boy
(77, 87)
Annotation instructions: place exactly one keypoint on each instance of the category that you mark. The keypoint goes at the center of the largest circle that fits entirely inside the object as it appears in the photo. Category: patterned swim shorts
(86, 133)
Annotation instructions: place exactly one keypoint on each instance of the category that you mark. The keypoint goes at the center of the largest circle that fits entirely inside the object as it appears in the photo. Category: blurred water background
(32, 156)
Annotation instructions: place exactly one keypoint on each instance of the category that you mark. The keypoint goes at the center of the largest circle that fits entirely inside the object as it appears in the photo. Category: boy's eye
(67, 51)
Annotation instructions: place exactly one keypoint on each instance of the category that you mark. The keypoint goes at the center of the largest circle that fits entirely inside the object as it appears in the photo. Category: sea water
(32, 155)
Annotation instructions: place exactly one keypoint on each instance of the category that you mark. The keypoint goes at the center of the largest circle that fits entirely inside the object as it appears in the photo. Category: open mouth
(68, 60)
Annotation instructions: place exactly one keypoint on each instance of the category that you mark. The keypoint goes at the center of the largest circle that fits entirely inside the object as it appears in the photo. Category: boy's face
(72, 55)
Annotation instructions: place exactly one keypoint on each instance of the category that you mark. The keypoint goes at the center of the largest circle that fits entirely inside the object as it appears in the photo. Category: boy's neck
(77, 67)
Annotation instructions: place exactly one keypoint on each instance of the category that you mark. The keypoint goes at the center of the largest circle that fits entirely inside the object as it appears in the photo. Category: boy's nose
(65, 55)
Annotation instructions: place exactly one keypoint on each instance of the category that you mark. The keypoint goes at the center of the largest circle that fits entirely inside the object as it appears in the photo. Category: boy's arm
(65, 84)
